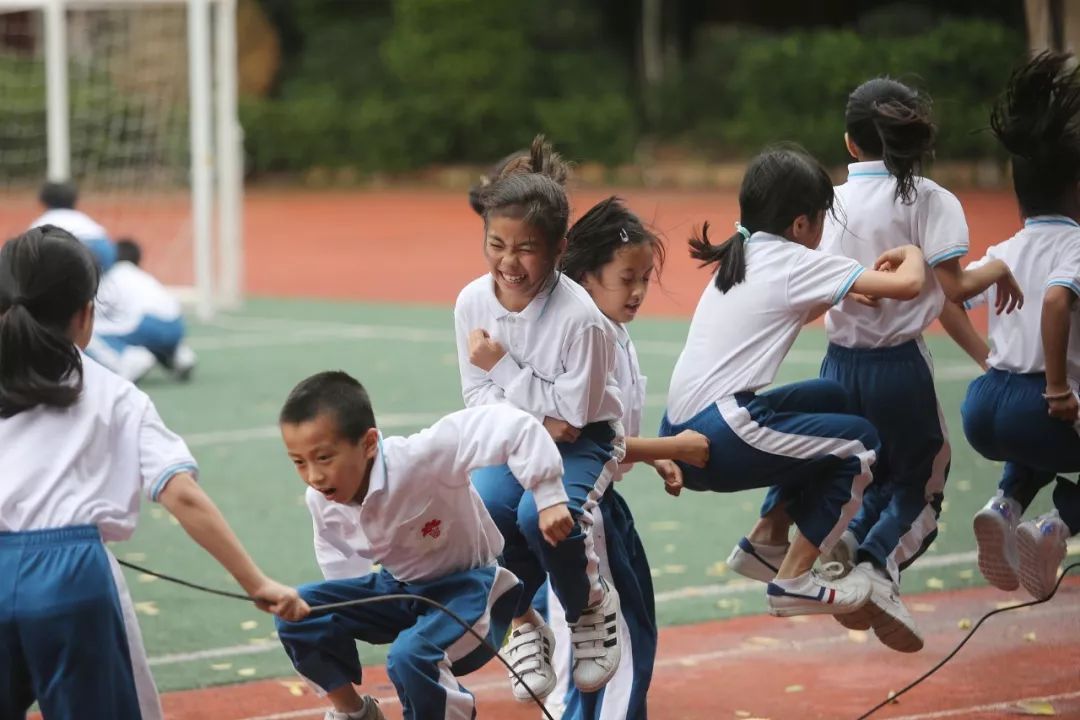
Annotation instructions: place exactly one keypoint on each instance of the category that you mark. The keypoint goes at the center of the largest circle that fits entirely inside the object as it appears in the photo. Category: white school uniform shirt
(88, 464)
(737, 339)
(75, 222)
(421, 518)
(1045, 253)
(560, 353)
(870, 220)
(128, 294)
(632, 385)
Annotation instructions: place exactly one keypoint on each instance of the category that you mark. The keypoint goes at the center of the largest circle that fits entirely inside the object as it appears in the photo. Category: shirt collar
(377, 481)
(868, 169)
(536, 307)
(1036, 220)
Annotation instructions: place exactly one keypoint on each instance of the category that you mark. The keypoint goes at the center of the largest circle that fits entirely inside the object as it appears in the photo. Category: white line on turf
(1004, 705)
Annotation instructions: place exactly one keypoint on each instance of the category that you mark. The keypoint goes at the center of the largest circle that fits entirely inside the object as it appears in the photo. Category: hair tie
(741, 230)
(623, 235)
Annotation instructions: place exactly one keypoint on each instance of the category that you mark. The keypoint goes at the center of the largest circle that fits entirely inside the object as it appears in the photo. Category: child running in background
(1023, 411)
(771, 280)
(878, 355)
(614, 257)
(139, 322)
(529, 336)
(413, 511)
(59, 200)
(79, 446)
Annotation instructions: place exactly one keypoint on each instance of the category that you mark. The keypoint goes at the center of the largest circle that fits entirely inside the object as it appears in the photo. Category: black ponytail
(540, 157)
(46, 278)
(597, 235)
(1036, 121)
(890, 120)
(780, 184)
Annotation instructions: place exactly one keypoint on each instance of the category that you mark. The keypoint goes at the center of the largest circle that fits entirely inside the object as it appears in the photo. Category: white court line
(275, 332)
(963, 712)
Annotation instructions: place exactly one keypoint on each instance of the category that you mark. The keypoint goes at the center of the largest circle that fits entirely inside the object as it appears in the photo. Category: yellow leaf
(249, 625)
(717, 569)
(857, 636)
(1035, 707)
(144, 578)
(762, 640)
(964, 624)
(245, 672)
(966, 574)
(741, 714)
(221, 666)
(1030, 637)
(935, 583)
(674, 569)
(295, 688)
(794, 688)
(149, 608)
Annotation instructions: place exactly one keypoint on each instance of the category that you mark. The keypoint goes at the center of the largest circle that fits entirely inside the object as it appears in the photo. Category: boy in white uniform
(59, 199)
(415, 512)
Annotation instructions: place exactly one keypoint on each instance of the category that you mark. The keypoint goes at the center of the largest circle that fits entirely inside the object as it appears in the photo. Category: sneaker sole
(1038, 570)
(547, 690)
(858, 620)
(893, 633)
(990, 534)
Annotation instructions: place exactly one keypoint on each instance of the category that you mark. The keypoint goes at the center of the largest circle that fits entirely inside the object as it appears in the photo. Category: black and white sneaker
(370, 711)
(595, 637)
(529, 653)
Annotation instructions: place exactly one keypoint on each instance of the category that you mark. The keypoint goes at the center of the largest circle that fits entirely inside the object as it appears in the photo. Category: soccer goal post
(136, 102)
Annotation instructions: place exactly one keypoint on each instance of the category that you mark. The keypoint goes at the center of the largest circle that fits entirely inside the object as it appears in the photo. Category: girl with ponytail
(798, 439)
(1023, 411)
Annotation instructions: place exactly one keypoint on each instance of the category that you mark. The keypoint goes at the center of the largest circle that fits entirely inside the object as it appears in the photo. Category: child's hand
(484, 352)
(672, 475)
(867, 300)
(561, 431)
(1008, 295)
(693, 448)
(281, 600)
(556, 522)
(890, 260)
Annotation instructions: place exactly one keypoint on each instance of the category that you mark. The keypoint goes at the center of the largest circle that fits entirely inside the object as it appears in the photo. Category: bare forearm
(202, 520)
(958, 325)
(1056, 314)
(649, 450)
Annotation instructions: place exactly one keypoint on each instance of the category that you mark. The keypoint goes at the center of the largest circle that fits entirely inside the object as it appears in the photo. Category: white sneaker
(184, 360)
(757, 561)
(529, 653)
(1042, 548)
(134, 363)
(595, 637)
(828, 591)
(843, 551)
(891, 621)
(371, 711)
(995, 535)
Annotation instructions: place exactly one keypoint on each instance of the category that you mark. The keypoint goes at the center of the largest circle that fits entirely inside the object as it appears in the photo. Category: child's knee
(406, 661)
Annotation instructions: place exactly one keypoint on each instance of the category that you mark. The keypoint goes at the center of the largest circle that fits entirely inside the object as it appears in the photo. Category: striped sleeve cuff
(948, 254)
(1063, 282)
(168, 474)
(848, 282)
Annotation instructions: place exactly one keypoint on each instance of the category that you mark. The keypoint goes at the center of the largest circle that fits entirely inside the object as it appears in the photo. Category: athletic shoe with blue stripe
(995, 536)
(828, 591)
(1042, 548)
(757, 561)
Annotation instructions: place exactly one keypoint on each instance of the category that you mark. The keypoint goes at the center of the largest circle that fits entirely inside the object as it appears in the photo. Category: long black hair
(531, 188)
(891, 120)
(1037, 120)
(597, 235)
(46, 278)
(780, 184)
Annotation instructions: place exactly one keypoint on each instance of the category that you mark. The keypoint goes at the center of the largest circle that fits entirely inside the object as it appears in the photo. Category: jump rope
(540, 703)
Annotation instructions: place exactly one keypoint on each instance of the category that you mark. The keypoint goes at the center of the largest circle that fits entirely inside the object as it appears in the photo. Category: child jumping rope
(1023, 411)
(771, 280)
(529, 336)
(878, 355)
(79, 447)
(614, 257)
(412, 509)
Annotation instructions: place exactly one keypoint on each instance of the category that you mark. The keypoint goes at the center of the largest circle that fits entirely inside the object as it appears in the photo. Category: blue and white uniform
(624, 565)
(798, 437)
(422, 520)
(134, 310)
(73, 480)
(559, 363)
(879, 356)
(85, 229)
(1005, 415)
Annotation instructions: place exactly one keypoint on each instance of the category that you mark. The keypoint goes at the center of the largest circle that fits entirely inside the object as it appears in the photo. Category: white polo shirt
(632, 385)
(1046, 252)
(560, 353)
(422, 518)
(75, 222)
(128, 294)
(737, 339)
(869, 221)
(88, 464)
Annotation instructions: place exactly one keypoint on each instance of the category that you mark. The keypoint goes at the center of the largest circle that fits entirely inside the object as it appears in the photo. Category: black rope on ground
(963, 642)
(352, 603)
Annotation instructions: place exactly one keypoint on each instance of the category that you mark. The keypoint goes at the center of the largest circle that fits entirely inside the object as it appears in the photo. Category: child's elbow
(1058, 299)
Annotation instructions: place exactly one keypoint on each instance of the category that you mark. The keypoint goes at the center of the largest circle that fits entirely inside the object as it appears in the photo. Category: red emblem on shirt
(431, 529)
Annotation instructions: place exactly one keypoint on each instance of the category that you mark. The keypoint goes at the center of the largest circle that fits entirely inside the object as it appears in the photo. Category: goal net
(126, 137)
